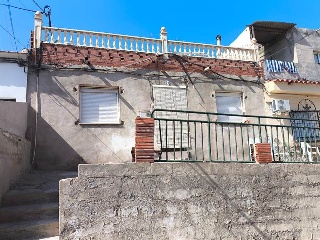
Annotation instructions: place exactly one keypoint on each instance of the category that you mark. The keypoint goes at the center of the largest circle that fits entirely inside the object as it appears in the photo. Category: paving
(30, 209)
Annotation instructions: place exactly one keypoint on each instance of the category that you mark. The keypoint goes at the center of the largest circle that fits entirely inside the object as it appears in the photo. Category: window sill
(99, 124)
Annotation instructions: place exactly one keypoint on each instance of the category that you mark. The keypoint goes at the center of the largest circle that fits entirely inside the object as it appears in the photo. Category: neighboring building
(291, 61)
(13, 79)
(90, 87)
(291, 70)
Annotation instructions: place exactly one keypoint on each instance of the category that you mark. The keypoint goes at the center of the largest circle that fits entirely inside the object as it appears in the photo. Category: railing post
(37, 30)
(255, 47)
(164, 40)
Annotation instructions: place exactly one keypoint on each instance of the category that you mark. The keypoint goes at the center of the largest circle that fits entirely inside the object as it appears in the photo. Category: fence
(206, 136)
(161, 45)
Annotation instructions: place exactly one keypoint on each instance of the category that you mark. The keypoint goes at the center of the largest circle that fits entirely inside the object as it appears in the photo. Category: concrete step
(43, 180)
(29, 212)
(29, 196)
(34, 229)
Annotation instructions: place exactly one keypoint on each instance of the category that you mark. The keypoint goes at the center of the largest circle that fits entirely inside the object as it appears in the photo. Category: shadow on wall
(229, 205)
(59, 155)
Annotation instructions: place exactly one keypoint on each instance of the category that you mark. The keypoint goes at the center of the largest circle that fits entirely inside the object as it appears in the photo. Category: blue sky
(194, 21)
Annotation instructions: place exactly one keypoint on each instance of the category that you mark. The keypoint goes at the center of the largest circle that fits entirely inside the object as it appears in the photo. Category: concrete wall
(297, 45)
(14, 159)
(13, 117)
(13, 81)
(62, 144)
(243, 40)
(191, 201)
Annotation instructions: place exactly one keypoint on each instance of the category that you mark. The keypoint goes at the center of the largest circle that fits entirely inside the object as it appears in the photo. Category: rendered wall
(297, 46)
(62, 143)
(13, 81)
(191, 201)
(13, 117)
(14, 159)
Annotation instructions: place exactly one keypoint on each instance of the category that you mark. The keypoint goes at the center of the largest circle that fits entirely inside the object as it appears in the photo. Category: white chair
(309, 150)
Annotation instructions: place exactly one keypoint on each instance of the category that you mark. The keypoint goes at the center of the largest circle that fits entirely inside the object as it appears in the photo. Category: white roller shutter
(173, 98)
(229, 103)
(99, 106)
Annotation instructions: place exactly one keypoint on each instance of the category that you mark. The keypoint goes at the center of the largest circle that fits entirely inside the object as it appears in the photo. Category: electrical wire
(25, 9)
(24, 6)
(38, 5)
(10, 15)
(217, 74)
(12, 36)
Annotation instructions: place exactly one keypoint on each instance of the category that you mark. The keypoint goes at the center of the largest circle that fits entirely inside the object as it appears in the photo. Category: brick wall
(56, 54)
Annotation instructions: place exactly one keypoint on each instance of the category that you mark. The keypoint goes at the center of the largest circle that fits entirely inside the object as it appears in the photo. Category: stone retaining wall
(191, 201)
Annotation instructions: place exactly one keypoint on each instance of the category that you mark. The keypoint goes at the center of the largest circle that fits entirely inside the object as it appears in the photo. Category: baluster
(102, 41)
(137, 46)
(142, 46)
(90, 40)
(126, 44)
(78, 39)
(59, 35)
(174, 47)
(179, 48)
(152, 46)
(108, 41)
(114, 42)
(189, 50)
(147, 45)
(65, 33)
(131, 44)
(97, 40)
(84, 39)
(120, 43)
(71, 37)
(158, 47)
(46, 35)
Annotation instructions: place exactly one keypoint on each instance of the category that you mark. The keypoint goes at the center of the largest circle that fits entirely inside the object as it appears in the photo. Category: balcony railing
(202, 136)
(65, 36)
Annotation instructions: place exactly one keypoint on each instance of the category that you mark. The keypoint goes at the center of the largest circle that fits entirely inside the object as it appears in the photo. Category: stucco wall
(14, 159)
(297, 46)
(13, 117)
(191, 201)
(13, 81)
(62, 144)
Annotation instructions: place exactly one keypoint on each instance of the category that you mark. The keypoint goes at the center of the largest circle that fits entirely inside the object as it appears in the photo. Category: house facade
(86, 90)
(290, 56)
(13, 79)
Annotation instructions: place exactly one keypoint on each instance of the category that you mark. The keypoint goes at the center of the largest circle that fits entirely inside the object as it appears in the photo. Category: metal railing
(207, 136)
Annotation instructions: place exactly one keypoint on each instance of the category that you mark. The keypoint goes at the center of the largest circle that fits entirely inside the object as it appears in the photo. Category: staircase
(30, 209)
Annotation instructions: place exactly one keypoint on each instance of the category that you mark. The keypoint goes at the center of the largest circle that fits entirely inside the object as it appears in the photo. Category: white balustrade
(139, 44)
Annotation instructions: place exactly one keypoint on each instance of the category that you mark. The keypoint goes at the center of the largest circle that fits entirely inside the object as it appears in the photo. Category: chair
(309, 150)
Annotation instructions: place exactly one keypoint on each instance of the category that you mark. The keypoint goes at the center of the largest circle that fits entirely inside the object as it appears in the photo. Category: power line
(24, 6)
(37, 5)
(10, 15)
(12, 35)
(25, 9)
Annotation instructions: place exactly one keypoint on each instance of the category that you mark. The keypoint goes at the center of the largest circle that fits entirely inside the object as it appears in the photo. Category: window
(99, 105)
(229, 103)
(172, 98)
(316, 57)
